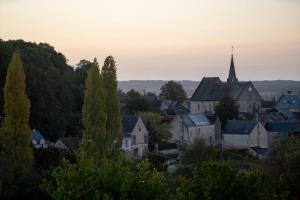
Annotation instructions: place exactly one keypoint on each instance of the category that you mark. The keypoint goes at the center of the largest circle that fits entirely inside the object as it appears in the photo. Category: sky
(166, 39)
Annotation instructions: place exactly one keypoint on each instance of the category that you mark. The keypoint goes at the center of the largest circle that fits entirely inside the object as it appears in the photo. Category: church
(211, 90)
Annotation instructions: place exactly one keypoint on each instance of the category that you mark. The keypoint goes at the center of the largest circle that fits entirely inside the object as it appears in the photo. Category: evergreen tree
(93, 112)
(16, 154)
(113, 123)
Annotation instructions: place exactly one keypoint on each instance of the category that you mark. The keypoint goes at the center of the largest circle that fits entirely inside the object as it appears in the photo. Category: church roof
(213, 89)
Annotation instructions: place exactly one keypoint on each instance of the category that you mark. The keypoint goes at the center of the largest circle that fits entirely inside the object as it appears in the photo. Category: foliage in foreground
(214, 180)
(283, 166)
(104, 179)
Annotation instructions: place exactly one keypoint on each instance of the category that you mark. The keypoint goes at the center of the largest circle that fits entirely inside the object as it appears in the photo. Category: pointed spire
(232, 76)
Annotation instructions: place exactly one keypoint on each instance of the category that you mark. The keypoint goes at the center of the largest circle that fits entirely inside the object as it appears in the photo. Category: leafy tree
(159, 131)
(173, 91)
(199, 152)
(136, 102)
(16, 154)
(113, 123)
(226, 109)
(94, 110)
(49, 86)
(214, 180)
(107, 179)
(282, 166)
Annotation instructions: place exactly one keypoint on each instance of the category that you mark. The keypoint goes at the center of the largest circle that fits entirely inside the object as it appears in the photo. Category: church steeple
(232, 76)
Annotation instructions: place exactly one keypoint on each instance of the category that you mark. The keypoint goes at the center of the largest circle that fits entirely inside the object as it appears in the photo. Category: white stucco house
(135, 135)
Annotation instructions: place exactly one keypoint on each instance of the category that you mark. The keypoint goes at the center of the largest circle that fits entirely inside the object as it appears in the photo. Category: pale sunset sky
(166, 39)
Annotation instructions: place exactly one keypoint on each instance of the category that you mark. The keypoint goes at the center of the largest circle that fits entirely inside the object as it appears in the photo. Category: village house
(185, 128)
(211, 90)
(242, 134)
(135, 138)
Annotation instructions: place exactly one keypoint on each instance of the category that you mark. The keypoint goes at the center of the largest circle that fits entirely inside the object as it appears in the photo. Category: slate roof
(129, 122)
(169, 107)
(198, 119)
(282, 127)
(289, 101)
(271, 117)
(239, 127)
(37, 136)
(267, 104)
(261, 151)
(213, 89)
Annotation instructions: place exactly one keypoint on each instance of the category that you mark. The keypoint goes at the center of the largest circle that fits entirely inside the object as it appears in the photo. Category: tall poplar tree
(16, 155)
(93, 111)
(113, 123)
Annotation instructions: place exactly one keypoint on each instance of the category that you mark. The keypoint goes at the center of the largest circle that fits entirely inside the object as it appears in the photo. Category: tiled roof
(240, 127)
(129, 122)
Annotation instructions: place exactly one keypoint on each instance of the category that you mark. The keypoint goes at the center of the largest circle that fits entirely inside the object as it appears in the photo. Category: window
(134, 139)
(126, 143)
(209, 107)
(210, 140)
(198, 106)
(140, 129)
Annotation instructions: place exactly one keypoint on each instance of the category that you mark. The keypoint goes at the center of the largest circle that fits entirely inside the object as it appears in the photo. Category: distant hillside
(266, 88)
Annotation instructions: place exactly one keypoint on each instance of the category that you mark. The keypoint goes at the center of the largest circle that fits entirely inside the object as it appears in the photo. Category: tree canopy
(49, 86)
(226, 110)
(173, 91)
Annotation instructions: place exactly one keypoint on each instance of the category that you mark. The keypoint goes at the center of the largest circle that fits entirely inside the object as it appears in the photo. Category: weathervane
(231, 50)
